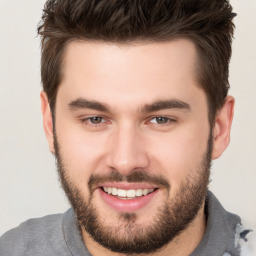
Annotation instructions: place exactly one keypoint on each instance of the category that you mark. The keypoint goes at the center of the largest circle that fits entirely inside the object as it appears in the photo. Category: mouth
(130, 194)
(127, 197)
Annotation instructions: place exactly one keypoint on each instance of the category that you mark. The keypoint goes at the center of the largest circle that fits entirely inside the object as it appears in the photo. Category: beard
(125, 235)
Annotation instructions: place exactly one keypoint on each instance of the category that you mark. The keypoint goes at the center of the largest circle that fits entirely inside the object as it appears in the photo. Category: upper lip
(127, 186)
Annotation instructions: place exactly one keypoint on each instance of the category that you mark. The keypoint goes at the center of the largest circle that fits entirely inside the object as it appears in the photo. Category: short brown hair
(207, 23)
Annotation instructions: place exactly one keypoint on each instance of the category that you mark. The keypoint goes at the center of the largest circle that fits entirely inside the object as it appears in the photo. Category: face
(133, 141)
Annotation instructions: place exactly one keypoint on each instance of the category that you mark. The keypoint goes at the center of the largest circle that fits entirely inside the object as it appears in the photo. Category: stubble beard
(127, 236)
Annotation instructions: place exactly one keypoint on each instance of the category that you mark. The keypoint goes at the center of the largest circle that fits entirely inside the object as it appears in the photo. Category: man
(135, 106)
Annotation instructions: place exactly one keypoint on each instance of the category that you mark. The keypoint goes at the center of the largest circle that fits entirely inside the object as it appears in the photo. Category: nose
(127, 151)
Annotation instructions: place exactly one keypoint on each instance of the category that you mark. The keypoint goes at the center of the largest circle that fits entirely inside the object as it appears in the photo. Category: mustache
(136, 176)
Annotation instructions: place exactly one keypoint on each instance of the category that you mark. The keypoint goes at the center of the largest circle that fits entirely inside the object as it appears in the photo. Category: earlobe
(222, 127)
(47, 120)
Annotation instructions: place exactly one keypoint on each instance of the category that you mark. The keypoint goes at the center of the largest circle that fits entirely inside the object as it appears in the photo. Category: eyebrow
(82, 103)
(165, 104)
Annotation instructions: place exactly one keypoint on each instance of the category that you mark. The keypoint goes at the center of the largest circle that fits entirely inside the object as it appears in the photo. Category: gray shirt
(59, 235)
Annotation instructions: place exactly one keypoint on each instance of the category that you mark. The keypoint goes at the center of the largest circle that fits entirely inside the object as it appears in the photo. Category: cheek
(179, 153)
(81, 152)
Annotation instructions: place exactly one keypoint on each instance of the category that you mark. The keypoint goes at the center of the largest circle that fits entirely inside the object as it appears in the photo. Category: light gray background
(28, 181)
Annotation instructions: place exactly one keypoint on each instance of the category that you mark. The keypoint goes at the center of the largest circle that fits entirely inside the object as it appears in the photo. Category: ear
(47, 120)
(222, 127)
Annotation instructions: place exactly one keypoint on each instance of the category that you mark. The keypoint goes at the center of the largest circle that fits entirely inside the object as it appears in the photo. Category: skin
(126, 78)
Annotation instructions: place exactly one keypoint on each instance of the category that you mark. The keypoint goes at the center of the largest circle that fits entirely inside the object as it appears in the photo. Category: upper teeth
(131, 193)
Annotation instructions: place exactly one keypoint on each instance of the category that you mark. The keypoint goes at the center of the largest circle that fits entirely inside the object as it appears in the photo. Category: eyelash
(88, 120)
(167, 121)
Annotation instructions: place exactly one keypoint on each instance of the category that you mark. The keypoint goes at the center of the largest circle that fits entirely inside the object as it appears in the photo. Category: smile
(127, 194)
(127, 197)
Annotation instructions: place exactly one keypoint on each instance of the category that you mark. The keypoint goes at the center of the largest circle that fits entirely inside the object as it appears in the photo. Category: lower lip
(127, 205)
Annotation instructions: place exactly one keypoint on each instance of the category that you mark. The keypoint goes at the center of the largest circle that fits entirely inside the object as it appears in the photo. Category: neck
(184, 244)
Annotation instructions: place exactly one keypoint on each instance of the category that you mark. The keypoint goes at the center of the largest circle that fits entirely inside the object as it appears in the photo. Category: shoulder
(33, 236)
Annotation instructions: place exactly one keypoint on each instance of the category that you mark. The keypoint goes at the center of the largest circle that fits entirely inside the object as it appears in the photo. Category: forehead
(141, 72)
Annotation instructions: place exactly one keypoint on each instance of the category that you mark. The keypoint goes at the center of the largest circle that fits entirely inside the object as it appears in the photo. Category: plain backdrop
(28, 182)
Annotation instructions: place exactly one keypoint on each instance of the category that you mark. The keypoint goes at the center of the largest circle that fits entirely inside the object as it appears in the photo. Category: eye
(94, 123)
(160, 120)
(95, 119)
